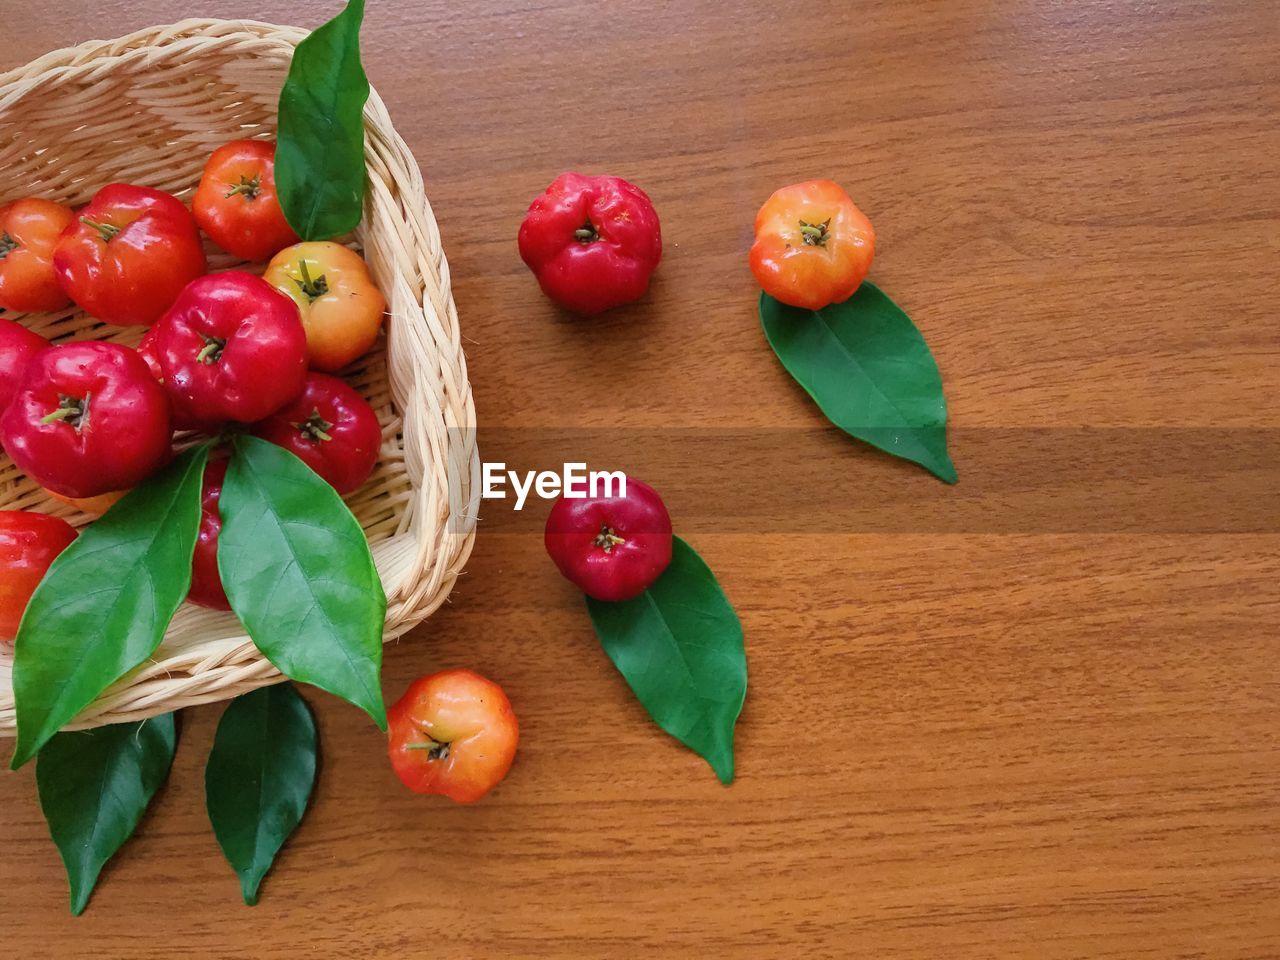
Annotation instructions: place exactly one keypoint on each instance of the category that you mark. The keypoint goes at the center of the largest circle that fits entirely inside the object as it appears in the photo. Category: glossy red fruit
(87, 419)
(232, 348)
(452, 733)
(592, 242)
(612, 548)
(29, 543)
(128, 254)
(206, 581)
(17, 346)
(331, 428)
(184, 418)
(236, 203)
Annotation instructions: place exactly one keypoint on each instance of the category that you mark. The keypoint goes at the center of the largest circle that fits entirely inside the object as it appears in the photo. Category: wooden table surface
(1018, 720)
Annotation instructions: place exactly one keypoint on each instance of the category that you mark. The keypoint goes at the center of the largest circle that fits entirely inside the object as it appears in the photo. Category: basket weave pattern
(149, 108)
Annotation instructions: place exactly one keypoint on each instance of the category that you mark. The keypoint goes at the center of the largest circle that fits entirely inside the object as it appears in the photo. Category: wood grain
(1028, 739)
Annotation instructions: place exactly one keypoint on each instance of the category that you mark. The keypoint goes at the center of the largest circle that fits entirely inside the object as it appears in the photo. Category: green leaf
(106, 601)
(679, 646)
(319, 167)
(298, 572)
(259, 779)
(869, 370)
(94, 787)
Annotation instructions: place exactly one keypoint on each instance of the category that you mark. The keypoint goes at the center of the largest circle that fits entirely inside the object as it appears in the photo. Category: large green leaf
(298, 572)
(679, 646)
(106, 602)
(319, 167)
(259, 779)
(94, 787)
(869, 370)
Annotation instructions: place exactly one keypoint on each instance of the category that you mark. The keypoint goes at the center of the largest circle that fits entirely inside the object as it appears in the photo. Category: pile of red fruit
(89, 420)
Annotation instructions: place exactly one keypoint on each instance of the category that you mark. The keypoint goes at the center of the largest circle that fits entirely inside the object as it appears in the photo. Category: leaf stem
(315, 427)
(435, 749)
(211, 352)
(105, 230)
(72, 410)
(815, 234)
(606, 539)
(311, 289)
(247, 187)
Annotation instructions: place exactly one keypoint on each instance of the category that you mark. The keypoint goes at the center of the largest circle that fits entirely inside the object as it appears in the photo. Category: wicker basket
(149, 108)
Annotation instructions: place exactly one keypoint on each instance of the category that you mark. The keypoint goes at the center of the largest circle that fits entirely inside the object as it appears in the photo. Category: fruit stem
(815, 234)
(606, 539)
(7, 245)
(247, 187)
(105, 230)
(435, 749)
(211, 352)
(587, 233)
(316, 427)
(72, 410)
(311, 288)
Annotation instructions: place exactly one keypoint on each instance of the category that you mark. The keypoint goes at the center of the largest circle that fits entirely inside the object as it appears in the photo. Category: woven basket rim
(158, 36)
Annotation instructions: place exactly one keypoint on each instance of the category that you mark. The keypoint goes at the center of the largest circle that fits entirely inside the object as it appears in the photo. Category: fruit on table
(87, 419)
(612, 548)
(17, 346)
(128, 254)
(29, 542)
(231, 348)
(452, 733)
(813, 245)
(29, 231)
(236, 203)
(206, 581)
(592, 242)
(331, 428)
(341, 307)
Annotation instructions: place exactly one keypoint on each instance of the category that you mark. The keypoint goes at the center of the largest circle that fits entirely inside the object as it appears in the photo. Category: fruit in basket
(128, 254)
(184, 417)
(813, 245)
(340, 305)
(231, 348)
(592, 242)
(331, 428)
(17, 346)
(206, 582)
(87, 419)
(29, 543)
(95, 505)
(236, 203)
(611, 547)
(452, 733)
(29, 231)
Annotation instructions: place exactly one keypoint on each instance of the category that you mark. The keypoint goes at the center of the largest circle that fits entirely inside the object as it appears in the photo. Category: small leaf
(679, 646)
(95, 786)
(259, 779)
(869, 370)
(106, 601)
(298, 572)
(319, 166)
